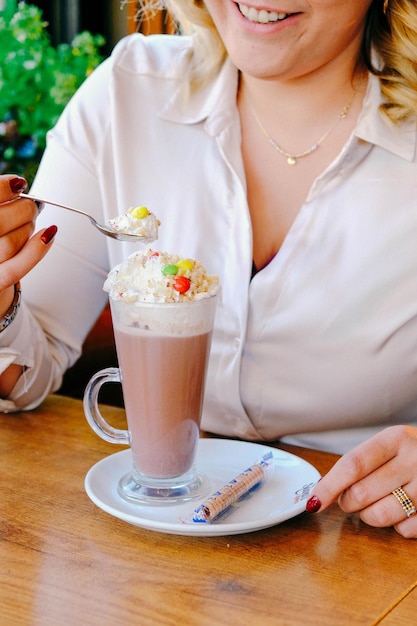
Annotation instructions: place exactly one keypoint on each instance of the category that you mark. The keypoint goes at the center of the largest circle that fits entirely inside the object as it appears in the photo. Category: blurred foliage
(36, 81)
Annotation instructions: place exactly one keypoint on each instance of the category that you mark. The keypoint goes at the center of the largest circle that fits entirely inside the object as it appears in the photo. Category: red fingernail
(313, 504)
(49, 234)
(17, 184)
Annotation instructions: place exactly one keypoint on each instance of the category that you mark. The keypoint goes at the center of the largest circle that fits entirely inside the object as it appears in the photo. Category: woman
(277, 144)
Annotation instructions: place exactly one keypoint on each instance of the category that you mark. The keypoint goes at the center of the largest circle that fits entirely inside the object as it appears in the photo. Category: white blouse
(320, 348)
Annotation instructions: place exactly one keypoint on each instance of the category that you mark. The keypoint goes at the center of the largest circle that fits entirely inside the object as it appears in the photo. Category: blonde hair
(192, 18)
(390, 33)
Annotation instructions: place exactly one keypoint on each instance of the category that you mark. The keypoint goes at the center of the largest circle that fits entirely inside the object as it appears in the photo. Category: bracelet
(12, 311)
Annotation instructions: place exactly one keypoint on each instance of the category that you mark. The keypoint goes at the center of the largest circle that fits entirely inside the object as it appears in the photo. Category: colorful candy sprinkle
(182, 284)
(170, 270)
(186, 264)
(140, 212)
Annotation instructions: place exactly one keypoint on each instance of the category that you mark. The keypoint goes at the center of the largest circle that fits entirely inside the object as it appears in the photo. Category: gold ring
(405, 501)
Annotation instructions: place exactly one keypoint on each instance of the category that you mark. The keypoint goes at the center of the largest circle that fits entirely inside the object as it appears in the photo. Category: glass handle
(91, 409)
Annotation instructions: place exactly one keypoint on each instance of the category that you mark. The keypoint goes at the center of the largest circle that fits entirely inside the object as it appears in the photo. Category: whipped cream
(148, 276)
(137, 221)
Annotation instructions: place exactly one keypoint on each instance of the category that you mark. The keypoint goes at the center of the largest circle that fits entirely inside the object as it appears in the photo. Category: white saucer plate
(282, 496)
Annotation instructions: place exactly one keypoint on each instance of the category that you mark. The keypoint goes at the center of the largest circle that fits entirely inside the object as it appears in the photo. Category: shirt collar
(215, 103)
(373, 127)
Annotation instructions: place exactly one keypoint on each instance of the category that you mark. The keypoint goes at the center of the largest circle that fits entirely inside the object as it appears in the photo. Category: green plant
(36, 81)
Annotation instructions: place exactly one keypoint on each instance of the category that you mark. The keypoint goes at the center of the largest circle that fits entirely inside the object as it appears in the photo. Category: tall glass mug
(163, 351)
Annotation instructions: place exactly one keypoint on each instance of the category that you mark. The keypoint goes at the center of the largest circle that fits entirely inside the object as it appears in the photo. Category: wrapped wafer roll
(235, 490)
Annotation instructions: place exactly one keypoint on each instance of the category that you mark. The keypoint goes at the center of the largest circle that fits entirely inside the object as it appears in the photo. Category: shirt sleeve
(23, 343)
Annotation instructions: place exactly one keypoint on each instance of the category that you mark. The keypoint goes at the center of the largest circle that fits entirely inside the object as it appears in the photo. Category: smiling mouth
(262, 16)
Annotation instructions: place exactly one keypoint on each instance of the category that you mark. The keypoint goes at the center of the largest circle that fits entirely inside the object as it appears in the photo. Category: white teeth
(262, 17)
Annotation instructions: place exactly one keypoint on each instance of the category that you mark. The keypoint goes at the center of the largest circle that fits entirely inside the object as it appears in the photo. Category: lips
(262, 16)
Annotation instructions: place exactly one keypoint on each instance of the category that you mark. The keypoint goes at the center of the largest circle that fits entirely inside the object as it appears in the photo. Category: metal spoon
(106, 230)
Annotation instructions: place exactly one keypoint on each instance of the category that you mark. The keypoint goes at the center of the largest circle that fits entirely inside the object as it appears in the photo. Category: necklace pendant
(291, 160)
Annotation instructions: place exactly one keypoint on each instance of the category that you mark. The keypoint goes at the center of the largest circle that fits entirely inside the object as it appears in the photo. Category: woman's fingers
(27, 257)
(20, 249)
(10, 186)
(12, 242)
(351, 468)
(407, 527)
(363, 480)
(17, 217)
(389, 511)
(15, 213)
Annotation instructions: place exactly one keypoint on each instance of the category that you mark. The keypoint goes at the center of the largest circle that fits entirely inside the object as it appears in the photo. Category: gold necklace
(292, 158)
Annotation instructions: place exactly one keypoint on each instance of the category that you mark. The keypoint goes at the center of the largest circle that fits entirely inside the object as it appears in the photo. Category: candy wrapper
(236, 490)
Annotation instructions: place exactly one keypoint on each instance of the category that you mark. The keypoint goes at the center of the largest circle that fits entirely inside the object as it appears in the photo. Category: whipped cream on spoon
(115, 232)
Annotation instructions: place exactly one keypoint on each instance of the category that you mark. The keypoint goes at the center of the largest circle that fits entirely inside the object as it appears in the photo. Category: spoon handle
(40, 202)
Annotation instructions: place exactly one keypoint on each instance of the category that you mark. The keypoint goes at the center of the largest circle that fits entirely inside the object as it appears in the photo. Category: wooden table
(63, 561)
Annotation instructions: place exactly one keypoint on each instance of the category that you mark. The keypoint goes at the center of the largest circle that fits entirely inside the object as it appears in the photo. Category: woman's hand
(19, 250)
(363, 481)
